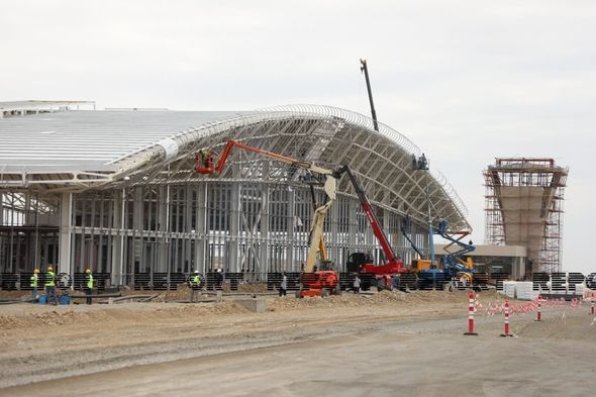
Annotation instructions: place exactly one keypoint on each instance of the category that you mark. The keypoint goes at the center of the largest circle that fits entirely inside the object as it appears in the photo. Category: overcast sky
(467, 81)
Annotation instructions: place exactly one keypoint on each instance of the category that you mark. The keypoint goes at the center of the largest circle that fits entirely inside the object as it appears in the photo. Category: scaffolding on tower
(524, 206)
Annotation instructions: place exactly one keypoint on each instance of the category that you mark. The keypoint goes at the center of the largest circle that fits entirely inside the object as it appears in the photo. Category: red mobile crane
(362, 262)
(314, 283)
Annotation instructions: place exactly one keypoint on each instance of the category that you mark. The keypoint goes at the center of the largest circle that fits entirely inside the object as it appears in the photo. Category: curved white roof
(90, 140)
(79, 150)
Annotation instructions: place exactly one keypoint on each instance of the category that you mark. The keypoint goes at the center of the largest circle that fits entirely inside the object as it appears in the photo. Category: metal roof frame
(80, 150)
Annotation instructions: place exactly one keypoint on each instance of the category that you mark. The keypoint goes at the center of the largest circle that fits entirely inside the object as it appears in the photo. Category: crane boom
(364, 69)
(390, 256)
(404, 232)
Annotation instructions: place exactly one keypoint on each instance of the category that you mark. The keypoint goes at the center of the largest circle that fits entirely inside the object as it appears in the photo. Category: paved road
(414, 358)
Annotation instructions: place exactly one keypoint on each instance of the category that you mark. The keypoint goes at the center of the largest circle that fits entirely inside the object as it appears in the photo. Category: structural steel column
(187, 260)
(37, 240)
(264, 239)
(65, 262)
(118, 238)
(232, 241)
(137, 224)
(291, 216)
(352, 226)
(164, 217)
(201, 232)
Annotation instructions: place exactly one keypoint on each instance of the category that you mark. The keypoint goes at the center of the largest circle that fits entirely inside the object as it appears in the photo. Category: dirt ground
(390, 343)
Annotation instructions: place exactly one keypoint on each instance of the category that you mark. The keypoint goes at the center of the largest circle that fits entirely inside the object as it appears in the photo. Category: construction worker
(34, 283)
(195, 286)
(283, 286)
(88, 285)
(356, 284)
(50, 285)
(206, 159)
(209, 159)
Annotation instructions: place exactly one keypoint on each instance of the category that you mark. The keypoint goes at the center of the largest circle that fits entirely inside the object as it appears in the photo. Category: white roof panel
(90, 138)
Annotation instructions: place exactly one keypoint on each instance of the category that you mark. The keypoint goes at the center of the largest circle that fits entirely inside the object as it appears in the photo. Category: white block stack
(524, 290)
(509, 288)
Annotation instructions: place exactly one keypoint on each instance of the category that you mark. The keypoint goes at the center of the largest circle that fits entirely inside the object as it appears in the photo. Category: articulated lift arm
(204, 159)
(390, 257)
(324, 257)
(204, 165)
(452, 257)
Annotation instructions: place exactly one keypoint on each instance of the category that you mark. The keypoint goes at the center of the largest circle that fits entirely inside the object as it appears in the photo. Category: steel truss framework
(151, 213)
(524, 206)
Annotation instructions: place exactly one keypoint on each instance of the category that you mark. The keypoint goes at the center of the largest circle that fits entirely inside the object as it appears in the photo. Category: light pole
(421, 164)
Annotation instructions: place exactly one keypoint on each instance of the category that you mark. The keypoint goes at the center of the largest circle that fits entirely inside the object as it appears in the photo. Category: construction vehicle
(455, 270)
(425, 273)
(315, 281)
(386, 276)
(419, 263)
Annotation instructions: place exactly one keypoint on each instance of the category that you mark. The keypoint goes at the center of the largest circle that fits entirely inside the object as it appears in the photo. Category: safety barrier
(539, 311)
(508, 309)
(506, 324)
(471, 311)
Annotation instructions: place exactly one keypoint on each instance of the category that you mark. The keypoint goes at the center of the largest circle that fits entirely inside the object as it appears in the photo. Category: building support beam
(137, 222)
(163, 264)
(201, 233)
(232, 241)
(264, 239)
(289, 245)
(187, 259)
(66, 263)
(118, 239)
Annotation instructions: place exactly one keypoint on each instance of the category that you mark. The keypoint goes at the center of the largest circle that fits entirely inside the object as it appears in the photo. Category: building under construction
(524, 207)
(116, 190)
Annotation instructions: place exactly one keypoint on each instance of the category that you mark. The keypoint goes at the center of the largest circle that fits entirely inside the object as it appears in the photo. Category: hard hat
(36, 271)
(88, 271)
(50, 268)
(196, 271)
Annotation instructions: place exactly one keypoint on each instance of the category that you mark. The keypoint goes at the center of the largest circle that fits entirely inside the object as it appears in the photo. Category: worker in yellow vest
(50, 285)
(88, 285)
(195, 286)
(34, 284)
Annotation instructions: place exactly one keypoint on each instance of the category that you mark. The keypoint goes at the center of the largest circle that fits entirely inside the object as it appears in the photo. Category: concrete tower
(524, 206)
